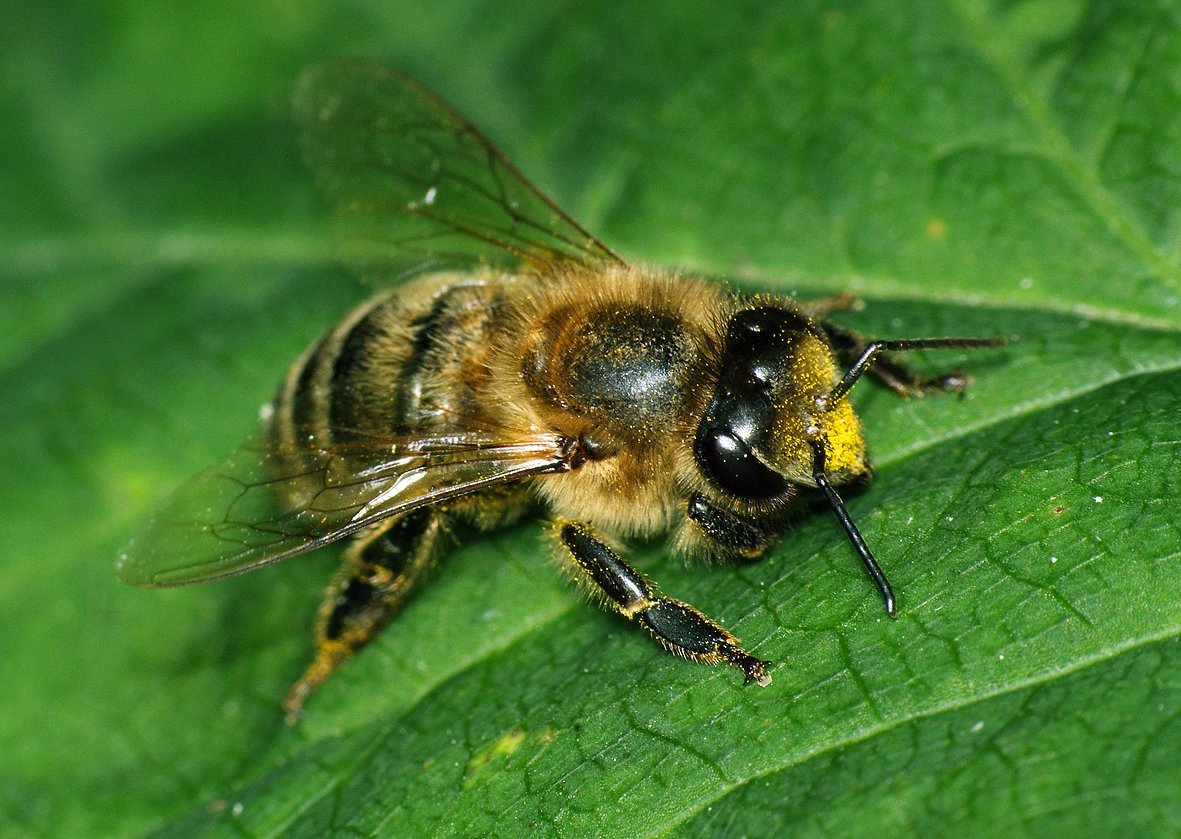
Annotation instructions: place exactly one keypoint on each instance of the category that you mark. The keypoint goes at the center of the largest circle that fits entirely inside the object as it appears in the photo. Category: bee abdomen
(393, 366)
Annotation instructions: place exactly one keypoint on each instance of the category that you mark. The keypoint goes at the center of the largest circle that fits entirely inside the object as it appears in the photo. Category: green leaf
(965, 167)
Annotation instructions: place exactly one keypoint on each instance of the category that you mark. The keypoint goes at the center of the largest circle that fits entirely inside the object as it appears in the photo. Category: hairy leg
(381, 569)
(677, 626)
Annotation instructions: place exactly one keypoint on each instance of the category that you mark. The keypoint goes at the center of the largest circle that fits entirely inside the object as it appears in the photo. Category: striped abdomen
(407, 363)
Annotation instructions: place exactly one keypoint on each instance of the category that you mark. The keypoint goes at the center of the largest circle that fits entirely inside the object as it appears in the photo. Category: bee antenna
(838, 507)
(874, 348)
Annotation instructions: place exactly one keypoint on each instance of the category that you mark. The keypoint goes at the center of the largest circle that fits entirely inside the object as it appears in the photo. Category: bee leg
(893, 374)
(677, 626)
(820, 308)
(731, 533)
(381, 569)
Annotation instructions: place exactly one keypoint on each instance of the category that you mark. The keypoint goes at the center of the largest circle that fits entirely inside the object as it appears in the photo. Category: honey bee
(523, 362)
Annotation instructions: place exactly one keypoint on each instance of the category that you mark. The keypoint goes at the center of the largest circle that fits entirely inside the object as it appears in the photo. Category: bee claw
(756, 671)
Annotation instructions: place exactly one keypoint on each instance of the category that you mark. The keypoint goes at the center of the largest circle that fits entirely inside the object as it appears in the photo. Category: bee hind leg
(381, 569)
(677, 626)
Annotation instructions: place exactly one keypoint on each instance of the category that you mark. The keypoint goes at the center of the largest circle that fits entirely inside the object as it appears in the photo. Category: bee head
(770, 423)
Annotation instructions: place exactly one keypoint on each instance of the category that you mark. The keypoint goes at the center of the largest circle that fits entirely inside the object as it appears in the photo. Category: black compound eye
(760, 346)
(729, 463)
(764, 325)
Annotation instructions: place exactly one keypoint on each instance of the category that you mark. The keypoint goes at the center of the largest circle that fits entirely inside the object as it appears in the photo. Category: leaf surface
(965, 167)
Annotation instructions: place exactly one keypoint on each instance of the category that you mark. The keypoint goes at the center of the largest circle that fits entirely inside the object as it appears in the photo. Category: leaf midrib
(236, 248)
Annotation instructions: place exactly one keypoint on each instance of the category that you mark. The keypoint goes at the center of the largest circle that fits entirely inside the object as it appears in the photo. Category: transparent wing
(412, 182)
(262, 505)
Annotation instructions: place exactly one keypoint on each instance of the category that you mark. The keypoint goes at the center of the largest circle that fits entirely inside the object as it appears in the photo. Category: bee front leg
(893, 374)
(381, 569)
(677, 626)
(731, 534)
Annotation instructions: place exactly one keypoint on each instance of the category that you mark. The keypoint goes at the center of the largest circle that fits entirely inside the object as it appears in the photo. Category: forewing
(255, 508)
(413, 183)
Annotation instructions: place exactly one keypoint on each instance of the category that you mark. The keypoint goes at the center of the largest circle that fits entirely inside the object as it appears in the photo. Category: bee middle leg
(895, 375)
(381, 569)
(677, 626)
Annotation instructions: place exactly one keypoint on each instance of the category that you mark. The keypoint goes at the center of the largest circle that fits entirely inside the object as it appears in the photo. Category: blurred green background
(965, 167)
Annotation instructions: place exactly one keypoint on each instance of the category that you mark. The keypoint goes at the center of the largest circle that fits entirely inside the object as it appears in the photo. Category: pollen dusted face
(802, 414)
